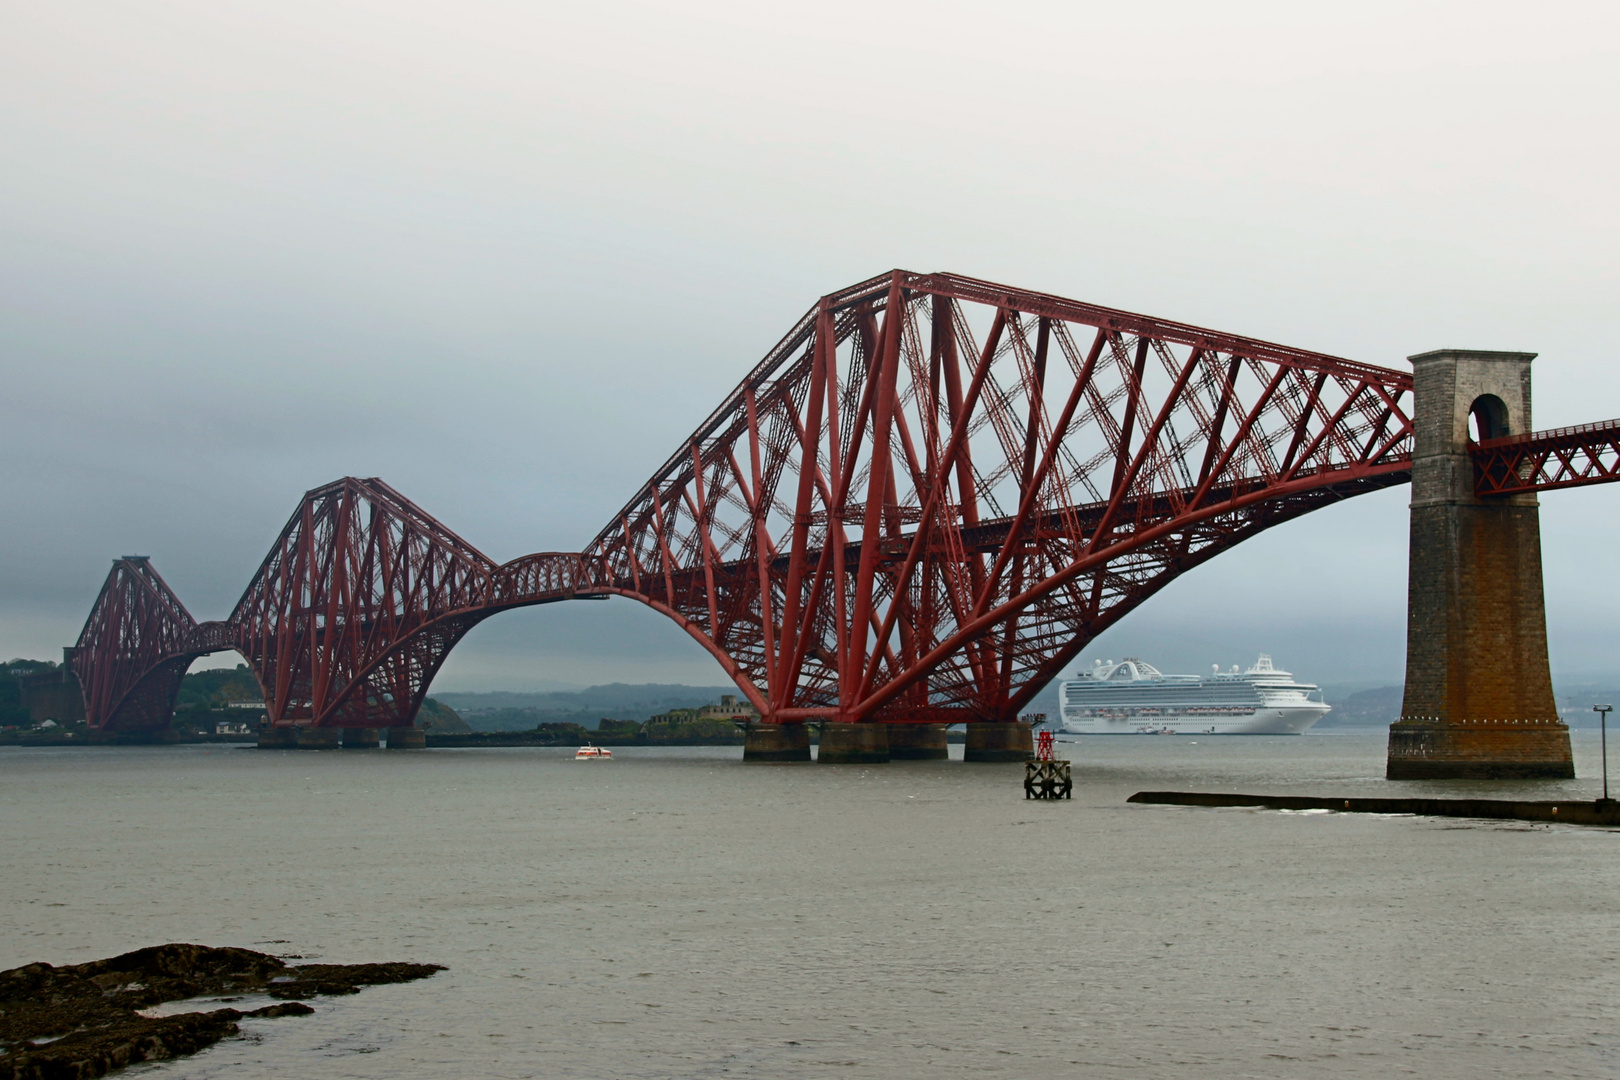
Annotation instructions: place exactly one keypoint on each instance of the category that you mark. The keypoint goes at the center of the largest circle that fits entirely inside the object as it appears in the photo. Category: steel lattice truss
(344, 622)
(935, 491)
(921, 505)
(134, 648)
(1563, 457)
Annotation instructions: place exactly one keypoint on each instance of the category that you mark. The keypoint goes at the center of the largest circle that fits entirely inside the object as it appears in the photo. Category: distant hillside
(1380, 706)
(505, 711)
(1046, 701)
(1383, 705)
(217, 687)
(205, 697)
(1575, 701)
(439, 718)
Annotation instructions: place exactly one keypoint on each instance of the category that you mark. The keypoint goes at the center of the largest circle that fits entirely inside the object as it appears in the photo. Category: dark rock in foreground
(85, 1020)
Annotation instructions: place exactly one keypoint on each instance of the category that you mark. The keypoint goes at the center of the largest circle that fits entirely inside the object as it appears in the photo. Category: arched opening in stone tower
(1488, 418)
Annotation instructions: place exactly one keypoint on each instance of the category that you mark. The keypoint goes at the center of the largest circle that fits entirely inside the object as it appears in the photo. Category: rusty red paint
(919, 507)
(1542, 460)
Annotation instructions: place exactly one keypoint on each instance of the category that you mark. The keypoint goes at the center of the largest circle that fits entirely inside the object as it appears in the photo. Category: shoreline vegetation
(709, 733)
(224, 706)
(91, 1019)
(549, 736)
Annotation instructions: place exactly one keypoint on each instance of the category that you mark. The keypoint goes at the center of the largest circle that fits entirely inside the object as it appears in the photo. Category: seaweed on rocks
(86, 1020)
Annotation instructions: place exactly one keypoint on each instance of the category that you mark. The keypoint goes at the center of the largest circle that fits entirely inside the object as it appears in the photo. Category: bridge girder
(919, 506)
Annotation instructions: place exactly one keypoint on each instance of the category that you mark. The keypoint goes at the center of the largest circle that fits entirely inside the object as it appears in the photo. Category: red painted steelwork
(921, 505)
(1542, 460)
(345, 623)
(935, 491)
(134, 649)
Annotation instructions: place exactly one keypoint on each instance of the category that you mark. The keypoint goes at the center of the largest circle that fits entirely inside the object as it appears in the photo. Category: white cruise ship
(1134, 698)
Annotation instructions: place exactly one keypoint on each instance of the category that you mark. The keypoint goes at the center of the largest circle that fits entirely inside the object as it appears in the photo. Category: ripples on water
(676, 914)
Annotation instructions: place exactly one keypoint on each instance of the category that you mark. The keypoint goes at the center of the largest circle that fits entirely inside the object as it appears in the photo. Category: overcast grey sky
(506, 255)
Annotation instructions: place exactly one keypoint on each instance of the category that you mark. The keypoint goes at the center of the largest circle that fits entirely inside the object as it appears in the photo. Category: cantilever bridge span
(923, 502)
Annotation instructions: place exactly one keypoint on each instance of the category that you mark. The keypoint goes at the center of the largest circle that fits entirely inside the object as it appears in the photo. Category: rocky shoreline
(86, 1020)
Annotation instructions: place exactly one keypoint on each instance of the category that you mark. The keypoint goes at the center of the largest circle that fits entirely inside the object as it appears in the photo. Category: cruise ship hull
(1261, 722)
(1133, 697)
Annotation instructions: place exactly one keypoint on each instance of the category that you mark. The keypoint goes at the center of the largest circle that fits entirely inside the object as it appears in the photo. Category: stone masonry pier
(1479, 699)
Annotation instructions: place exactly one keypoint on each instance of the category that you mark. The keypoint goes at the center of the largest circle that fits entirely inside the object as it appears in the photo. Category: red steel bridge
(923, 503)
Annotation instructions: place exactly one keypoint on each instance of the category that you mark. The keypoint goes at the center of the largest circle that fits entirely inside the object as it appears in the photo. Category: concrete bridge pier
(1012, 741)
(360, 738)
(407, 738)
(776, 743)
(317, 738)
(278, 738)
(853, 744)
(917, 742)
(1479, 700)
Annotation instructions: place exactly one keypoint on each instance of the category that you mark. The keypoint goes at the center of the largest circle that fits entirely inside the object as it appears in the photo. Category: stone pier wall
(1479, 699)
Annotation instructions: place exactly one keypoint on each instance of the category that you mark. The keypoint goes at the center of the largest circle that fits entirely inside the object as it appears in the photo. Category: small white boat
(592, 753)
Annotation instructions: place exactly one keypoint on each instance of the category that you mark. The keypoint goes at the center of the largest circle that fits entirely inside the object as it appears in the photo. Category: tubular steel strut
(923, 502)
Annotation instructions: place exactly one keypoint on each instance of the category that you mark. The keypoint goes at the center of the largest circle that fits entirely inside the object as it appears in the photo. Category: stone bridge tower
(1479, 700)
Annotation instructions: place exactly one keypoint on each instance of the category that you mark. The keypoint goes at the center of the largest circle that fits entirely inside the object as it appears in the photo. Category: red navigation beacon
(1043, 746)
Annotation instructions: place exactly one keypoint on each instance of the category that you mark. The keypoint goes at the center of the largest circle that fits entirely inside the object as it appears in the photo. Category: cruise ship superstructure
(1132, 697)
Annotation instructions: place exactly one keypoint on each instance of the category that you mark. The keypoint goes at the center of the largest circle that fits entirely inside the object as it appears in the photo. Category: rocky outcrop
(86, 1020)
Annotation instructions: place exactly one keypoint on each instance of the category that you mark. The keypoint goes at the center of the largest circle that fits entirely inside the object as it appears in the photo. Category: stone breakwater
(71, 1023)
(1603, 812)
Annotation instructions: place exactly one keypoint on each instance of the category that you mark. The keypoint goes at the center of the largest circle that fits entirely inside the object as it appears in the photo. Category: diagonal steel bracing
(923, 502)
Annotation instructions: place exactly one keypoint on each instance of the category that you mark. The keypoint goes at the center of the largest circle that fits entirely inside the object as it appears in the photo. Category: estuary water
(676, 914)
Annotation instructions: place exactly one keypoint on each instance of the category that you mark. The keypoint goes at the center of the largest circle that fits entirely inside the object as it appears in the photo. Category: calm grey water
(677, 914)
